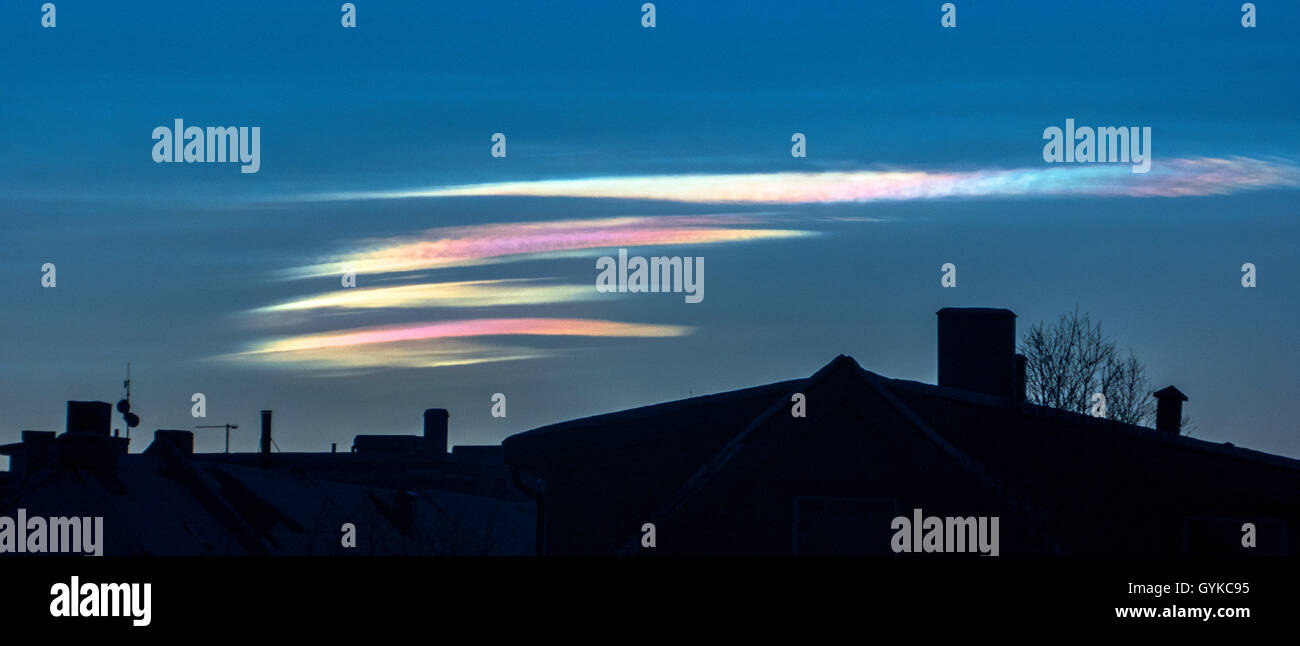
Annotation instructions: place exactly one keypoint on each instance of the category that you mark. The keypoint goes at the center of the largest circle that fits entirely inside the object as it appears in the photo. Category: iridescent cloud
(474, 293)
(349, 360)
(1179, 177)
(502, 242)
(466, 328)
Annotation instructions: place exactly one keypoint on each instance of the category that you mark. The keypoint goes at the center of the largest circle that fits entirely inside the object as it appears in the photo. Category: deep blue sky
(159, 264)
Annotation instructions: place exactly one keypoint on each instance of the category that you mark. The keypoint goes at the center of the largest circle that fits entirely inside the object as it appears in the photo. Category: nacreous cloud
(361, 338)
(1177, 177)
(429, 345)
(473, 293)
(493, 243)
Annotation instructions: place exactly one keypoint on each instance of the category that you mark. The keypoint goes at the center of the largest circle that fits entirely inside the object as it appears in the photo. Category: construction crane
(225, 426)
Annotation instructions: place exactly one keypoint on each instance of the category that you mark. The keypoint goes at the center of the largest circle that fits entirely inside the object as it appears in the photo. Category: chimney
(266, 432)
(37, 447)
(435, 430)
(87, 442)
(32, 455)
(1021, 363)
(1169, 409)
(93, 418)
(977, 350)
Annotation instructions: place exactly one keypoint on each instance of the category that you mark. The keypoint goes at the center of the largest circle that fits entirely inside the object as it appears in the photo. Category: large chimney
(266, 432)
(1169, 409)
(87, 442)
(1021, 363)
(89, 417)
(977, 350)
(435, 430)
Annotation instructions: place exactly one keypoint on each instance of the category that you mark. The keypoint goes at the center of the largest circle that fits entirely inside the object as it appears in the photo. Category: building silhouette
(731, 473)
(400, 494)
(738, 473)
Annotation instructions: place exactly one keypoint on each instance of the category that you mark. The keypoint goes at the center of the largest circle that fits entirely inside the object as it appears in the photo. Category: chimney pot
(977, 350)
(89, 417)
(266, 433)
(1021, 364)
(435, 430)
(1169, 409)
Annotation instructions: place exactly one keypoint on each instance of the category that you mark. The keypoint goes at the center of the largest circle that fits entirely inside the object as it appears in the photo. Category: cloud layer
(443, 343)
(458, 342)
(503, 242)
(435, 343)
(474, 293)
(1179, 177)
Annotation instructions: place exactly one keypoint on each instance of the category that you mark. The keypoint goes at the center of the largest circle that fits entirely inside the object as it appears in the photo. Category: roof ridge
(723, 457)
(1048, 413)
(640, 410)
(714, 465)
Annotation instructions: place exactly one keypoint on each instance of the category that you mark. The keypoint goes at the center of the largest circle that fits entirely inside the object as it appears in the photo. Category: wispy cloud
(470, 327)
(502, 242)
(349, 360)
(439, 343)
(1179, 177)
(474, 293)
(445, 343)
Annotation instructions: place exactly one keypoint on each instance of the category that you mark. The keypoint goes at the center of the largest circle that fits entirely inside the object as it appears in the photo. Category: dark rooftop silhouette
(737, 473)
(403, 494)
(730, 473)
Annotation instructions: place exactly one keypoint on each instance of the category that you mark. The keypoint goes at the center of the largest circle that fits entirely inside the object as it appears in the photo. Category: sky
(477, 274)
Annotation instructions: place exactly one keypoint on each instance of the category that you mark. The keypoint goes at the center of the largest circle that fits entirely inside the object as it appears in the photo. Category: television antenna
(124, 405)
(225, 426)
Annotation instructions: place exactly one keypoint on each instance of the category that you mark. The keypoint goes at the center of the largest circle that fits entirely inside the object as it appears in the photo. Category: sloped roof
(844, 376)
(163, 503)
(997, 441)
(1100, 429)
(1092, 428)
(725, 413)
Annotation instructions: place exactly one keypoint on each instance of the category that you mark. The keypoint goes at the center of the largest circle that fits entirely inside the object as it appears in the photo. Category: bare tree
(1128, 393)
(1070, 361)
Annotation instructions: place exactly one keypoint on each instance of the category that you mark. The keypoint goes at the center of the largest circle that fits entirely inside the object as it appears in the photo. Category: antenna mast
(225, 426)
(124, 406)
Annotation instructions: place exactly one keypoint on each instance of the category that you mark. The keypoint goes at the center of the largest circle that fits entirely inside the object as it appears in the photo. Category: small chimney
(977, 350)
(435, 430)
(93, 418)
(266, 432)
(37, 451)
(1169, 409)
